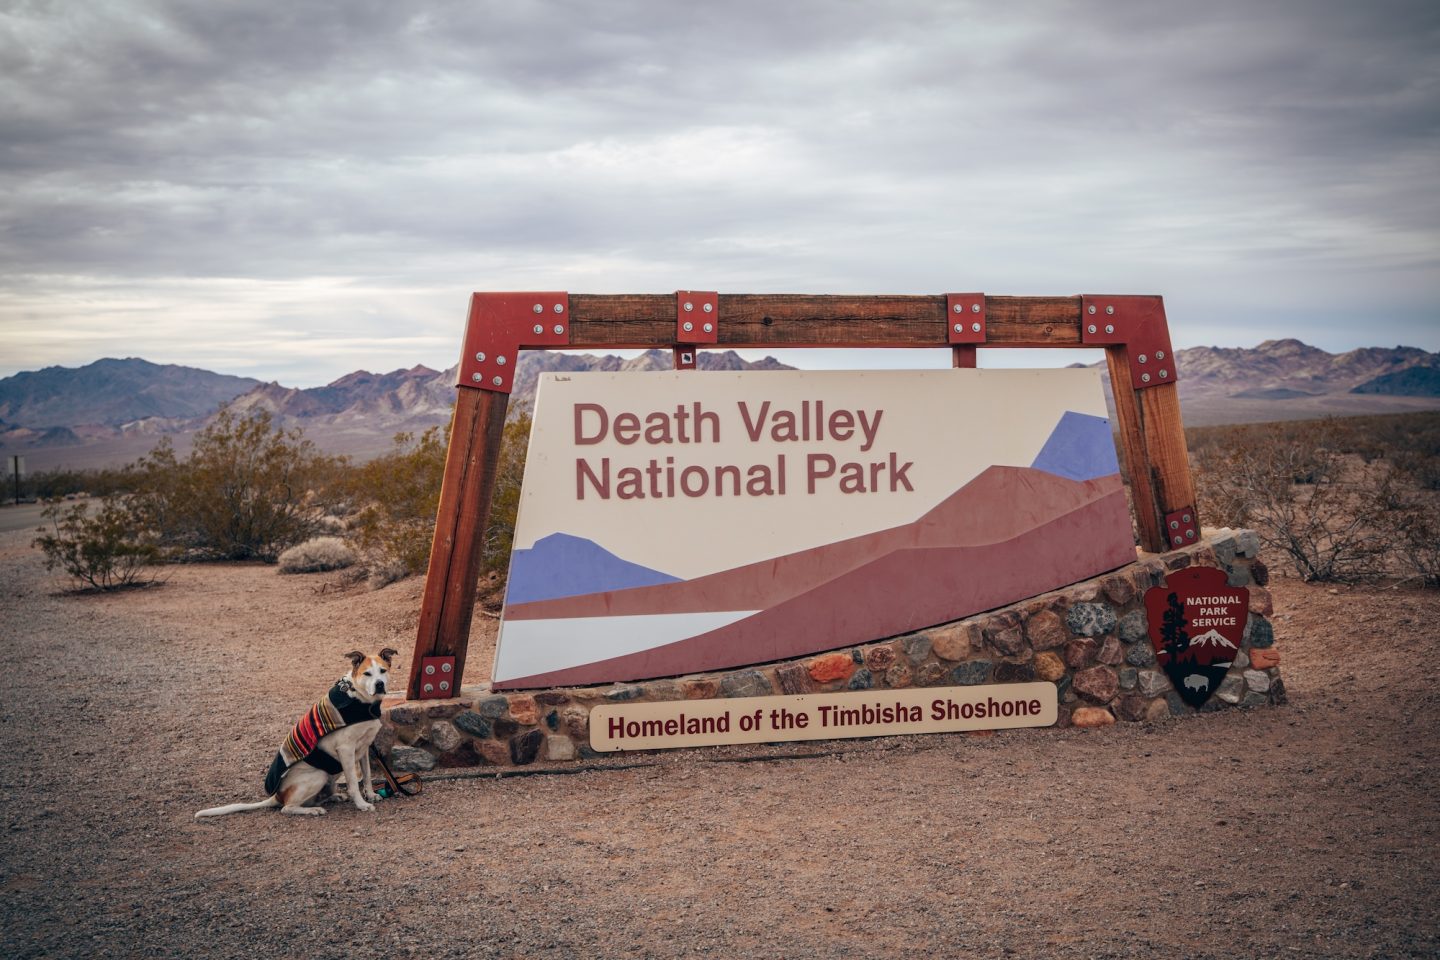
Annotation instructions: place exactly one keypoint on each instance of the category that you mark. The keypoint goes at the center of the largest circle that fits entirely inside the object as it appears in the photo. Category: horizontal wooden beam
(640, 321)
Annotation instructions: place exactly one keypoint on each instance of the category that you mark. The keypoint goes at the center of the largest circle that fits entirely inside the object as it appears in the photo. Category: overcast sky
(294, 191)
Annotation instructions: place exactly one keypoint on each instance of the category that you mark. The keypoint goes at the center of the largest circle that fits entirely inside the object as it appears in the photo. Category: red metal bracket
(437, 678)
(684, 358)
(697, 316)
(500, 325)
(1182, 527)
(965, 317)
(1138, 323)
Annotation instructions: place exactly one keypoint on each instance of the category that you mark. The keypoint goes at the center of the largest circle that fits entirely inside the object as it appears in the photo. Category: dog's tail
(238, 808)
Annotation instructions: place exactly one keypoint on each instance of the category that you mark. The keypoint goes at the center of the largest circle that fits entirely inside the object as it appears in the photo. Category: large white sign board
(682, 522)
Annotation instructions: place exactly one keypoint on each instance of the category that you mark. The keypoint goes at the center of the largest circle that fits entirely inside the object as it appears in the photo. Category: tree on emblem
(1172, 628)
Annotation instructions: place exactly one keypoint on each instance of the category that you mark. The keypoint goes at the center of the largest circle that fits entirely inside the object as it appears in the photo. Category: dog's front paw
(370, 795)
(364, 807)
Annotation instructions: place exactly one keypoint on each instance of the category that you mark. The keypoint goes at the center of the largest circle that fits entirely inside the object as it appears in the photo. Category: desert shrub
(500, 533)
(1422, 467)
(383, 571)
(1412, 524)
(1324, 515)
(1385, 436)
(61, 483)
(397, 496)
(1417, 541)
(105, 550)
(248, 489)
(317, 556)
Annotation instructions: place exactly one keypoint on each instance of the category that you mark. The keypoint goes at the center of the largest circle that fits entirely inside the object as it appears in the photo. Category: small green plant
(105, 550)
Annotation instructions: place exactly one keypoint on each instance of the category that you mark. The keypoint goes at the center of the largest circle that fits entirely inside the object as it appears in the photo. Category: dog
(333, 738)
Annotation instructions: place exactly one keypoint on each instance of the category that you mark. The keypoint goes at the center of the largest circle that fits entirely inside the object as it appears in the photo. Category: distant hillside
(113, 392)
(1292, 366)
(395, 399)
(114, 410)
(535, 362)
(1411, 382)
(358, 414)
(1291, 380)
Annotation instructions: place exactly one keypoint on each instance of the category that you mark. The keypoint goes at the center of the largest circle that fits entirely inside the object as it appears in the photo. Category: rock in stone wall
(1090, 639)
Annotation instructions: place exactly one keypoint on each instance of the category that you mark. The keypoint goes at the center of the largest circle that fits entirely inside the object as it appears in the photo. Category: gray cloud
(1270, 168)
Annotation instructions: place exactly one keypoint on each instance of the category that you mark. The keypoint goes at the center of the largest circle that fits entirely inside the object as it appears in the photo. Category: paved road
(26, 516)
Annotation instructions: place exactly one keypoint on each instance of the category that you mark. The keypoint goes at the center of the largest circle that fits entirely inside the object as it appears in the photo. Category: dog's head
(369, 674)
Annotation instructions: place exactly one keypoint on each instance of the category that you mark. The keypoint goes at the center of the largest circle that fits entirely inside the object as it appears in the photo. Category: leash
(406, 785)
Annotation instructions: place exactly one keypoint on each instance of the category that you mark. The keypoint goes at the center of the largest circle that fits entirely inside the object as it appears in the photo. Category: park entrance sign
(729, 531)
(677, 523)
(751, 557)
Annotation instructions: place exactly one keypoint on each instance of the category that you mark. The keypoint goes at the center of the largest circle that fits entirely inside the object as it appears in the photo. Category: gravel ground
(1306, 830)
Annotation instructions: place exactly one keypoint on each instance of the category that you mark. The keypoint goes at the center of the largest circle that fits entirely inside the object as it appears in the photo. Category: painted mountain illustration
(1010, 533)
(564, 566)
(1212, 641)
(1208, 649)
(1080, 448)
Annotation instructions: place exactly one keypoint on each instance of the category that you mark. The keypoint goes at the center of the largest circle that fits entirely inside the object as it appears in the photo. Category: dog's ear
(388, 654)
(355, 656)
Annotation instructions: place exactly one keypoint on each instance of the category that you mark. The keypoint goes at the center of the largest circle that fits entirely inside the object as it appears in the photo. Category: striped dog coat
(337, 710)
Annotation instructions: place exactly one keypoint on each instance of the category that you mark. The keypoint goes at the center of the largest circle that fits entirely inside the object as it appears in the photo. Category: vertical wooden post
(1169, 456)
(1152, 440)
(466, 492)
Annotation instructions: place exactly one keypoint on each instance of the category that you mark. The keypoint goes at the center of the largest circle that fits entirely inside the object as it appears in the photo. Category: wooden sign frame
(1132, 330)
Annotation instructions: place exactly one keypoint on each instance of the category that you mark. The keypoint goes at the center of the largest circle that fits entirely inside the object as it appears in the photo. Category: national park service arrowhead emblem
(1196, 622)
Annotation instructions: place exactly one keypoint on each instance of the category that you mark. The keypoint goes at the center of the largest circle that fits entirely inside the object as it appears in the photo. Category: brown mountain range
(112, 411)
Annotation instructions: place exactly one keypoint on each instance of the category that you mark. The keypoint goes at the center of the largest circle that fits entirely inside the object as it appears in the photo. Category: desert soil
(1297, 831)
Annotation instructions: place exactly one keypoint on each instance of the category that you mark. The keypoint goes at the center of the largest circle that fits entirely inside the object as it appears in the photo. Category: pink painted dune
(1011, 533)
(998, 505)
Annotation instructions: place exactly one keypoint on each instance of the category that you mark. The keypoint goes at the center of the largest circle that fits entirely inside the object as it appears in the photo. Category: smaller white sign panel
(821, 716)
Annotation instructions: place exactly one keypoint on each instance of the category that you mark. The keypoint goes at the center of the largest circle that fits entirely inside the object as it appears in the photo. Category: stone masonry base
(1090, 639)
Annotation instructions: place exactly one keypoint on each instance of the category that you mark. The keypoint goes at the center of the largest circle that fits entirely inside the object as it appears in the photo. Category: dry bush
(1412, 524)
(1340, 499)
(397, 496)
(1421, 467)
(1294, 495)
(103, 551)
(317, 556)
(248, 489)
(500, 533)
(60, 483)
(382, 572)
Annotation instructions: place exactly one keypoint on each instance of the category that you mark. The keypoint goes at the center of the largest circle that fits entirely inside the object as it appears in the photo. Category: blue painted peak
(1080, 448)
(561, 565)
